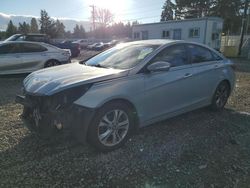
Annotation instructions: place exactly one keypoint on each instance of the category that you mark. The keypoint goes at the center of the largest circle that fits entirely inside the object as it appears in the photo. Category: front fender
(130, 88)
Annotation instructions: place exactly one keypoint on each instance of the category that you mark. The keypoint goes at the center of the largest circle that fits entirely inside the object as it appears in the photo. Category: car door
(169, 91)
(206, 72)
(34, 56)
(10, 58)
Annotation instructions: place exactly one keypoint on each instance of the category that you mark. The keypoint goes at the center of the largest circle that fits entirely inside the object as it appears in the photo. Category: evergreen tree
(24, 28)
(47, 24)
(11, 29)
(82, 32)
(33, 26)
(76, 31)
(60, 29)
(167, 12)
(79, 32)
(231, 12)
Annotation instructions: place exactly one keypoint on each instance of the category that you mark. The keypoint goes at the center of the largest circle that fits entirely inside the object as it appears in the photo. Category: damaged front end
(49, 114)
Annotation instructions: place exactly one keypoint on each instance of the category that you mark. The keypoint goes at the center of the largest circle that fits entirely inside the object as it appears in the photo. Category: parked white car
(25, 57)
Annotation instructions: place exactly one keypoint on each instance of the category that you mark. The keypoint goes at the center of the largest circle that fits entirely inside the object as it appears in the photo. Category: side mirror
(159, 66)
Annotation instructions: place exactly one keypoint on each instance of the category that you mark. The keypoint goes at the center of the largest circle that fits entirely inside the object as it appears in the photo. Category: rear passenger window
(175, 55)
(29, 48)
(9, 49)
(200, 54)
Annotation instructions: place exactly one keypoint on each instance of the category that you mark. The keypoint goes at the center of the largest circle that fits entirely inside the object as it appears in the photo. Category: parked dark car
(75, 48)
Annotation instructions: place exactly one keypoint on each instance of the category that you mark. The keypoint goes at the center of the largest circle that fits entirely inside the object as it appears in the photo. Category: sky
(145, 11)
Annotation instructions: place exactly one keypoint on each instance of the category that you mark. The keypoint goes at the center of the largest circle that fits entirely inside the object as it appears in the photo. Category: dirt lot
(198, 149)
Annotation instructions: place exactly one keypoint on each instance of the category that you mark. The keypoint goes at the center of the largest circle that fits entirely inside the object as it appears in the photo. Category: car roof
(21, 42)
(164, 42)
(152, 42)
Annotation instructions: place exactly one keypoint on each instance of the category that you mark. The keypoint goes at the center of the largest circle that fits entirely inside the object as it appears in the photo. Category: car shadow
(10, 86)
(169, 152)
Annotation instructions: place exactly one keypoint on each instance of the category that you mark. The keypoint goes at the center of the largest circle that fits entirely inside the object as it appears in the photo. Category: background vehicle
(129, 86)
(82, 42)
(34, 37)
(24, 57)
(92, 46)
(73, 47)
(99, 46)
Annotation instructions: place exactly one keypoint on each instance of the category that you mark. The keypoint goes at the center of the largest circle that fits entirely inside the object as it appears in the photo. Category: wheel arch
(128, 103)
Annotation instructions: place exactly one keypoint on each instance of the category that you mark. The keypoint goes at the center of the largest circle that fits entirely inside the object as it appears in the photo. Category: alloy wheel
(221, 95)
(113, 127)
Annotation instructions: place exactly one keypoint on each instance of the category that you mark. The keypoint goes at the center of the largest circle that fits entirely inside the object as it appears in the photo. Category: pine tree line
(229, 10)
(54, 29)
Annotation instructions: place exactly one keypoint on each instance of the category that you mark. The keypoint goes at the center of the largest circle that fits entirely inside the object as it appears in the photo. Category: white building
(202, 30)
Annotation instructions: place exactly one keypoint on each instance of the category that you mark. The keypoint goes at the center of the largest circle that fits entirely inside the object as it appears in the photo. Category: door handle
(187, 75)
(216, 66)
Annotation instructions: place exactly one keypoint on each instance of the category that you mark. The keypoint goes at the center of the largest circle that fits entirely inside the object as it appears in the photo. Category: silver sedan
(25, 57)
(132, 85)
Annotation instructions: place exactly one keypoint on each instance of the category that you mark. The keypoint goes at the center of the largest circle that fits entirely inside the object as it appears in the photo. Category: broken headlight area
(45, 113)
(65, 98)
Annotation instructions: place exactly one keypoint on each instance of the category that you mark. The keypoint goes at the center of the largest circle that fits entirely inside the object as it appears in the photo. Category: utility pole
(243, 26)
(93, 18)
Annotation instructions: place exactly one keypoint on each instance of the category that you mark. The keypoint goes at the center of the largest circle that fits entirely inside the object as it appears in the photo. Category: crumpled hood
(55, 79)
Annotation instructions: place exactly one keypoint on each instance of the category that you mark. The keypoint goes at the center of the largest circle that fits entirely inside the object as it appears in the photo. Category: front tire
(221, 96)
(111, 127)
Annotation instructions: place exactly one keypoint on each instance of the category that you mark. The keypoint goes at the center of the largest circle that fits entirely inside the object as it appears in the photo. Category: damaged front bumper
(45, 120)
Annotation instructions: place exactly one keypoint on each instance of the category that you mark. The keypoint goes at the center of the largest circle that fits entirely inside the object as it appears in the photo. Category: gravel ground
(198, 149)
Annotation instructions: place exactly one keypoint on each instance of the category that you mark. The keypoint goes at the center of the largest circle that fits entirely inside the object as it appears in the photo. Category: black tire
(51, 63)
(220, 96)
(94, 129)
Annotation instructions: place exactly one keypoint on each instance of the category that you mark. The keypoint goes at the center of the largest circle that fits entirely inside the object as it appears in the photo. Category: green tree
(2, 35)
(193, 8)
(76, 32)
(47, 24)
(24, 28)
(11, 29)
(79, 32)
(33, 26)
(168, 11)
(60, 29)
(82, 31)
(231, 12)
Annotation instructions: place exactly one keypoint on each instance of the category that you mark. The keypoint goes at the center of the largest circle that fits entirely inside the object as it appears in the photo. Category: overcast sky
(124, 10)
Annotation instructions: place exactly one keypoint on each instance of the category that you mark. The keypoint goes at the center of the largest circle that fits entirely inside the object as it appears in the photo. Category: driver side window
(176, 55)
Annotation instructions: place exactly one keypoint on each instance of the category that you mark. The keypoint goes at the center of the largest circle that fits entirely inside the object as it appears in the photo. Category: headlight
(68, 96)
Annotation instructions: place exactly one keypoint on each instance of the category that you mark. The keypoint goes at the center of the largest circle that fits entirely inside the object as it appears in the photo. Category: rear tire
(51, 63)
(111, 127)
(221, 96)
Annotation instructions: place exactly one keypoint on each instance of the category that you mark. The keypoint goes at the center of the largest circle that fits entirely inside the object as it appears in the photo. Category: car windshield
(122, 56)
(13, 37)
